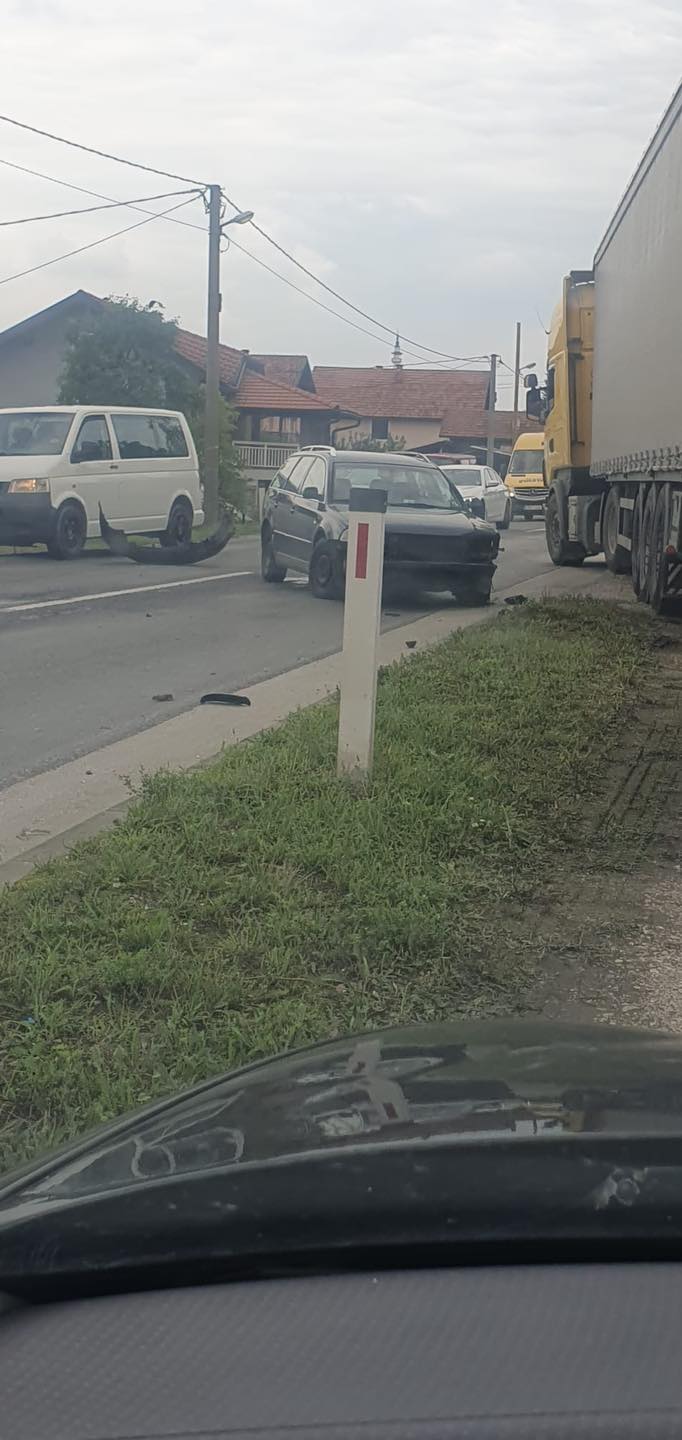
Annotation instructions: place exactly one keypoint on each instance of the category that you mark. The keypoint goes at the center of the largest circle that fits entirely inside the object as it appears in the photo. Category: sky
(440, 164)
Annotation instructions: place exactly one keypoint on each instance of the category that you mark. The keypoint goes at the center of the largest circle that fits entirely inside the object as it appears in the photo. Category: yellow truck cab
(526, 475)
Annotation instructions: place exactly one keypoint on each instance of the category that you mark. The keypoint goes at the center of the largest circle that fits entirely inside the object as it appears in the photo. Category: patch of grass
(259, 903)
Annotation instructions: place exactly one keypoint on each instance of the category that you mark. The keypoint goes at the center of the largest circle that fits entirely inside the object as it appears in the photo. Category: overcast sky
(440, 163)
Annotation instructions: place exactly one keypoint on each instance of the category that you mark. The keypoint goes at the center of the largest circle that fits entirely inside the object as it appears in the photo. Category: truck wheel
(70, 532)
(561, 552)
(637, 516)
(616, 556)
(658, 560)
(645, 545)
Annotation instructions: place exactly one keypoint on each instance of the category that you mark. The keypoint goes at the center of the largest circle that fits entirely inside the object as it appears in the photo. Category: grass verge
(258, 903)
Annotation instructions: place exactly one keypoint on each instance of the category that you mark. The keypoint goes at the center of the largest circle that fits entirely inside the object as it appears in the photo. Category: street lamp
(243, 217)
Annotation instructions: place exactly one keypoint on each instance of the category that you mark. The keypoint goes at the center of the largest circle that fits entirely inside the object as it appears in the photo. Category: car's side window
(92, 441)
(137, 437)
(315, 477)
(170, 437)
(296, 481)
(280, 479)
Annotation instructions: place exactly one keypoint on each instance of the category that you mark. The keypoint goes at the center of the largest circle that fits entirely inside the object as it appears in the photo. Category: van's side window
(170, 437)
(137, 437)
(92, 441)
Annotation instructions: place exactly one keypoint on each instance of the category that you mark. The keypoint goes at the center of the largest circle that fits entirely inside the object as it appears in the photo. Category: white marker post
(361, 624)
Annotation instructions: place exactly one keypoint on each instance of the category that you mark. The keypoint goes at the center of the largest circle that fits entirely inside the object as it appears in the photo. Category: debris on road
(167, 695)
(516, 600)
(191, 552)
(223, 699)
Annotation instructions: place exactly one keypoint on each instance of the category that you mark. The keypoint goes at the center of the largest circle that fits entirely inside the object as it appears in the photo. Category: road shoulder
(43, 816)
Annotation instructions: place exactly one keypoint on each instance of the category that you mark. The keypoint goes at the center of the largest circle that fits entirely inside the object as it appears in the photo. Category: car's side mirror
(476, 508)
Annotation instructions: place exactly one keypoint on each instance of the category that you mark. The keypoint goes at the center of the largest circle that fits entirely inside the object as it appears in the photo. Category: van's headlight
(28, 487)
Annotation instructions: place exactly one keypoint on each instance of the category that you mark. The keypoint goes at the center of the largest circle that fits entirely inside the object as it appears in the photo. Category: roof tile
(193, 348)
(385, 393)
(256, 392)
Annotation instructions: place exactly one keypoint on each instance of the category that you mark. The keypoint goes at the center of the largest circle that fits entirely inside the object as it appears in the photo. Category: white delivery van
(59, 463)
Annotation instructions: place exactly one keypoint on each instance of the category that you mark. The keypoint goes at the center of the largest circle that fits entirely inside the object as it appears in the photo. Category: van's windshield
(33, 432)
(526, 462)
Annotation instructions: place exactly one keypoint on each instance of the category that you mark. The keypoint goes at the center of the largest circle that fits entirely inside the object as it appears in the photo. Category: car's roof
(71, 409)
(382, 457)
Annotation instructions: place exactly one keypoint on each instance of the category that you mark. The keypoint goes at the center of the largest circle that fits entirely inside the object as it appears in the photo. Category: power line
(103, 154)
(90, 209)
(192, 225)
(153, 170)
(390, 329)
(79, 251)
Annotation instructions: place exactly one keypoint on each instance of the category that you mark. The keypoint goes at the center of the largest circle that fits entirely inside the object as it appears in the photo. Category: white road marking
(114, 594)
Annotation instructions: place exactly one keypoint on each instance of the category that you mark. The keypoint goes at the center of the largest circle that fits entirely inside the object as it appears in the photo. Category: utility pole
(490, 432)
(212, 399)
(517, 380)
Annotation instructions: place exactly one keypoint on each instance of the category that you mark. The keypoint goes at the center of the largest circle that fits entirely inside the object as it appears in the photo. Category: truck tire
(561, 552)
(645, 544)
(658, 560)
(616, 556)
(637, 517)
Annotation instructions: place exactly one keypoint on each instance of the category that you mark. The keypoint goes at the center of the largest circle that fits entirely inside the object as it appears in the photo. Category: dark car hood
(441, 522)
(459, 1082)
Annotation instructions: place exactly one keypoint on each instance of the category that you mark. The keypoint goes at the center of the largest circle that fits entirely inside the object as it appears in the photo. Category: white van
(59, 463)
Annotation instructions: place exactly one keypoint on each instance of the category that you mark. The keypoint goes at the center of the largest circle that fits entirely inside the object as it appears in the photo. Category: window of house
(92, 441)
(380, 429)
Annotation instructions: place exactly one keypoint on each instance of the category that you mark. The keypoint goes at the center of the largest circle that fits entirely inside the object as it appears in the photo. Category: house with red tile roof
(443, 410)
(275, 412)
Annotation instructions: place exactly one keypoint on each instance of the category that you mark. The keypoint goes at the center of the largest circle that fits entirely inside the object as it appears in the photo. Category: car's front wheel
(326, 577)
(272, 573)
(70, 532)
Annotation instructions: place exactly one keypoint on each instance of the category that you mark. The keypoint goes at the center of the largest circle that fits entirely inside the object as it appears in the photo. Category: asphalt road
(86, 646)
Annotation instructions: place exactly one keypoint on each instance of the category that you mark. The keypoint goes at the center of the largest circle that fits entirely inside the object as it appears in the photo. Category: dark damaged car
(432, 542)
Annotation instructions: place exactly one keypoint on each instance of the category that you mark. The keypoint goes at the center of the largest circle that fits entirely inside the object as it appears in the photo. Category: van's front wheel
(70, 532)
(179, 528)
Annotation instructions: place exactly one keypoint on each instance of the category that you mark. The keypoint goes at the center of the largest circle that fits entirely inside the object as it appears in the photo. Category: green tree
(125, 355)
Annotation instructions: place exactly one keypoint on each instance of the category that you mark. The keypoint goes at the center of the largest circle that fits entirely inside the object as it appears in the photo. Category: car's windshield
(463, 476)
(407, 485)
(526, 462)
(33, 432)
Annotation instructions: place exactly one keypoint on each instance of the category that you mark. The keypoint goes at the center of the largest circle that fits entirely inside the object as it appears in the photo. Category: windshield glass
(408, 485)
(33, 432)
(464, 477)
(526, 462)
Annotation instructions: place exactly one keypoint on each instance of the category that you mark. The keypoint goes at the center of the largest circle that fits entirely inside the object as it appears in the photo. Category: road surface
(87, 645)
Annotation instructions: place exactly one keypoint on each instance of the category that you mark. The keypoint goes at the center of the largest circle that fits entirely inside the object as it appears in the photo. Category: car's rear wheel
(326, 572)
(179, 528)
(272, 573)
(70, 532)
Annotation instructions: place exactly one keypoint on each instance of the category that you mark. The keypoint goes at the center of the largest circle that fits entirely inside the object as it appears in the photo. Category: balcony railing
(261, 456)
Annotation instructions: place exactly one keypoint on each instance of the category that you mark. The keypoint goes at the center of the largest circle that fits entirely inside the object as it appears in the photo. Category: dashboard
(561, 1351)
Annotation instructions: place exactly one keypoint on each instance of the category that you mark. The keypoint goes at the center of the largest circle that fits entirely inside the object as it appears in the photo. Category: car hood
(461, 1081)
(424, 522)
(460, 1135)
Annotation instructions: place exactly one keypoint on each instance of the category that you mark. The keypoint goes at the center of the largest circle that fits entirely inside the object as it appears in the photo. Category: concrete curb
(43, 816)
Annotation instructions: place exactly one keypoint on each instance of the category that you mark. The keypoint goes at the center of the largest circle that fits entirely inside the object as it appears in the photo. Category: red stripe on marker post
(361, 551)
